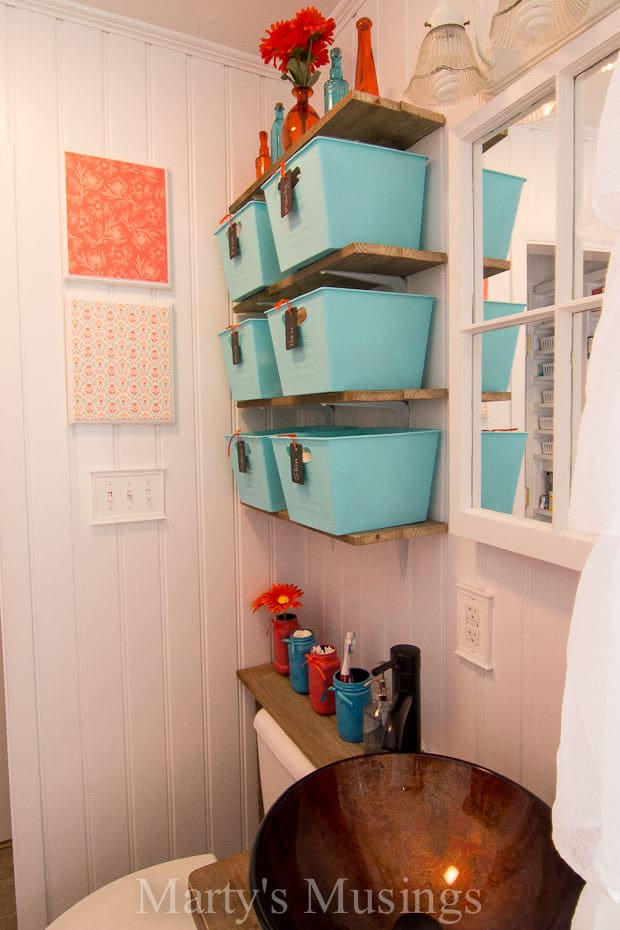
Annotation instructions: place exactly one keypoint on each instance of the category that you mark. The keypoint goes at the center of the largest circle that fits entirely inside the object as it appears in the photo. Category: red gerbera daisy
(279, 599)
(299, 46)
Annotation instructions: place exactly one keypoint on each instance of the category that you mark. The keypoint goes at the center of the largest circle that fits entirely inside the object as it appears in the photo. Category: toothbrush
(349, 646)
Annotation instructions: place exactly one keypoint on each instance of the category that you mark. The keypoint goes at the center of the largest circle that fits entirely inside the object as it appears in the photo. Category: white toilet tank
(280, 761)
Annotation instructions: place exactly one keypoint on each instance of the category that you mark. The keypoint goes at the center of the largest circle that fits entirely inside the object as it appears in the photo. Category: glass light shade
(447, 70)
(518, 23)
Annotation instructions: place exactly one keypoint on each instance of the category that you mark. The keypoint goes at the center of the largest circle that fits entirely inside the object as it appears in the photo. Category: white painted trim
(552, 543)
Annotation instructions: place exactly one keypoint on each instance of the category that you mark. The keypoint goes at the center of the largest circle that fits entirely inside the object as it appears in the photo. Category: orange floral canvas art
(117, 225)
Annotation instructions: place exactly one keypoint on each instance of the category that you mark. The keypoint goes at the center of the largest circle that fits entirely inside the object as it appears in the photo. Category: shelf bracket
(403, 557)
(387, 281)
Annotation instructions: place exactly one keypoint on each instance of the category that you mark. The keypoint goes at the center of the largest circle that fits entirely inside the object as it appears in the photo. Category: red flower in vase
(279, 599)
(299, 46)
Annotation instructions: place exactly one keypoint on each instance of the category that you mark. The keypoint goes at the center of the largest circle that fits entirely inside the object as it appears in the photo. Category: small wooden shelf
(492, 396)
(348, 397)
(316, 735)
(331, 271)
(361, 118)
(368, 537)
(493, 266)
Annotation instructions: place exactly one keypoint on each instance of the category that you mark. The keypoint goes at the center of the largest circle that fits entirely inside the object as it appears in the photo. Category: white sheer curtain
(586, 813)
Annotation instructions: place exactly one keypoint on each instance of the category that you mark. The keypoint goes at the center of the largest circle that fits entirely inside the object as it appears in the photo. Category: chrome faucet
(402, 728)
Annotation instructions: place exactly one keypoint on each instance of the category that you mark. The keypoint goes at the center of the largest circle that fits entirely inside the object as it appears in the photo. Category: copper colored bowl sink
(409, 841)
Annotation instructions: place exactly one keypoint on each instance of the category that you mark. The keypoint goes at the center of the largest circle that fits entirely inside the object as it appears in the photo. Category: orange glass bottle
(365, 73)
(263, 161)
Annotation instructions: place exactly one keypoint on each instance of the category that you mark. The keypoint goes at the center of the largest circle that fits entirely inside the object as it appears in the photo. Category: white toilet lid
(153, 897)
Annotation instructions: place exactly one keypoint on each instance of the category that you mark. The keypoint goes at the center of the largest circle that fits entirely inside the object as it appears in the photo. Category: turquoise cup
(351, 698)
(299, 645)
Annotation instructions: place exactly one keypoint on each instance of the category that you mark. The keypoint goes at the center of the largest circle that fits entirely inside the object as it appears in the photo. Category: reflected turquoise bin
(500, 201)
(256, 266)
(347, 192)
(353, 340)
(256, 376)
(365, 479)
(501, 458)
(259, 485)
(498, 348)
(351, 698)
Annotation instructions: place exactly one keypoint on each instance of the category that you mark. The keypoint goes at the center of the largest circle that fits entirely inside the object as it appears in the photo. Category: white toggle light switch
(128, 495)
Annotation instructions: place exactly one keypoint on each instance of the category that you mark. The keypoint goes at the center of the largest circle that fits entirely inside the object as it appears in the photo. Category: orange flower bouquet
(280, 600)
(299, 46)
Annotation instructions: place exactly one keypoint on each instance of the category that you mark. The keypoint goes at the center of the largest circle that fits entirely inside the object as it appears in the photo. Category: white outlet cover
(480, 652)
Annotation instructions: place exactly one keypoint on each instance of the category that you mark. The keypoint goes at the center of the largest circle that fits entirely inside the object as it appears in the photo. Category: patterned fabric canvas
(120, 362)
(116, 220)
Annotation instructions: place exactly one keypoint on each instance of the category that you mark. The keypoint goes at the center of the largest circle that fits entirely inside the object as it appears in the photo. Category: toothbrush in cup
(349, 646)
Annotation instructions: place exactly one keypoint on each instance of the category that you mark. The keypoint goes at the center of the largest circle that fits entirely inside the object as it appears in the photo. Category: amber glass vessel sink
(409, 841)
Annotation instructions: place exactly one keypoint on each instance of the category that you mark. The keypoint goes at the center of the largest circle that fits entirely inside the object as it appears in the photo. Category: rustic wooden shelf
(348, 397)
(315, 734)
(361, 118)
(492, 266)
(331, 271)
(491, 396)
(368, 537)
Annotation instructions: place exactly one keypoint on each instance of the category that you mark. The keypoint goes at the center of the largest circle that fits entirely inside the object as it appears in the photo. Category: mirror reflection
(515, 431)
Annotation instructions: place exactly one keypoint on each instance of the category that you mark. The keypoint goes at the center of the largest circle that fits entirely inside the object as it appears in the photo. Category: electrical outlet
(473, 618)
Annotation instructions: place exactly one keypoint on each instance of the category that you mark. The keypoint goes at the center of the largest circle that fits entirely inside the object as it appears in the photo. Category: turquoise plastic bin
(500, 200)
(498, 348)
(260, 485)
(256, 266)
(347, 192)
(501, 455)
(257, 374)
(353, 340)
(367, 479)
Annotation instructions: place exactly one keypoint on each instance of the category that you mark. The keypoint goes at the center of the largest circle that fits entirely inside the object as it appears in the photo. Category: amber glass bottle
(365, 73)
(263, 161)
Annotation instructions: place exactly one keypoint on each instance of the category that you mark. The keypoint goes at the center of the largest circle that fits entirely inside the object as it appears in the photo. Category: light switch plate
(127, 496)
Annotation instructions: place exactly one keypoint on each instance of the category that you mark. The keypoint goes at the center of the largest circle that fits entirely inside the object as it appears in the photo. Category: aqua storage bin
(498, 347)
(500, 200)
(501, 458)
(255, 471)
(255, 376)
(353, 340)
(359, 480)
(256, 266)
(346, 192)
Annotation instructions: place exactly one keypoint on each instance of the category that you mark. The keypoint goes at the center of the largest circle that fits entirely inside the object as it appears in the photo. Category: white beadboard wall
(129, 739)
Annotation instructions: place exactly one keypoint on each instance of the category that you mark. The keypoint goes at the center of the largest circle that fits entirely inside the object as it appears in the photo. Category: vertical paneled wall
(121, 642)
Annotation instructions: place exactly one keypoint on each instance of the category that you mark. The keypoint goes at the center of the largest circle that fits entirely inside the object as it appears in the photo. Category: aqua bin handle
(343, 696)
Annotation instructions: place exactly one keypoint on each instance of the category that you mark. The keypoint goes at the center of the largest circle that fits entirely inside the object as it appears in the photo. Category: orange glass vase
(365, 72)
(299, 118)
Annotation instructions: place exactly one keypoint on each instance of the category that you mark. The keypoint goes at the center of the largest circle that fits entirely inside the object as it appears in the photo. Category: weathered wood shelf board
(315, 734)
(337, 270)
(368, 537)
(347, 397)
(492, 266)
(213, 910)
(490, 396)
(360, 117)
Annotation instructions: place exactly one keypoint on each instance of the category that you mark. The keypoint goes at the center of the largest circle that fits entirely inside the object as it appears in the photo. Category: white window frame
(551, 542)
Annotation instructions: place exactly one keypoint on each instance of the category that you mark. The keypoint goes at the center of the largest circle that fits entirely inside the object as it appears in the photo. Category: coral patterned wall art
(119, 363)
(117, 225)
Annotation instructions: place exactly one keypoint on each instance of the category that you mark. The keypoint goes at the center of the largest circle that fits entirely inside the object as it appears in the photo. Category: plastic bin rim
(246, 206)
(324, 141)
(504, 174)
(380, 431)
(503, 432)
(505, 303)
(351, 291)
(251, 320)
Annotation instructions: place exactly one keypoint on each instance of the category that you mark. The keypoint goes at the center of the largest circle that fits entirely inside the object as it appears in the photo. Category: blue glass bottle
(336, 86)
(277, 149)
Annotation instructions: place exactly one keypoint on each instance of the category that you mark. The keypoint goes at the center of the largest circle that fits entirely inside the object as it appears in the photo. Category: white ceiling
(238, 24)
